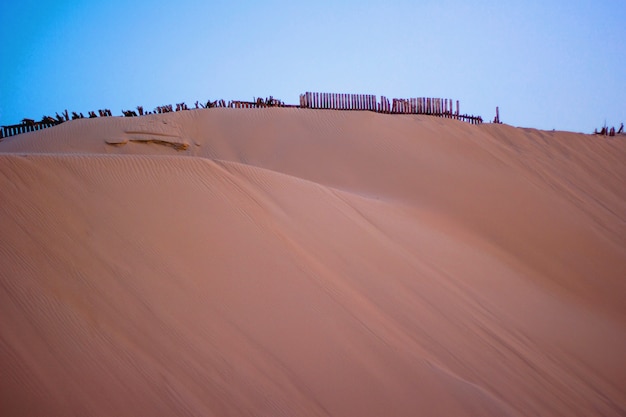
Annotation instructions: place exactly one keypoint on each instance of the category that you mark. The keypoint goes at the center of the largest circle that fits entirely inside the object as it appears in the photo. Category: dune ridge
(311, 262)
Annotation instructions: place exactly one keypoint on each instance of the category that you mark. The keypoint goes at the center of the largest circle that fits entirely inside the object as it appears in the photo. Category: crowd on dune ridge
(605, 131)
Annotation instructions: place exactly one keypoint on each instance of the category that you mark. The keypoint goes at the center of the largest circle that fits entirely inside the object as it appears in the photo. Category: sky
(547, 64)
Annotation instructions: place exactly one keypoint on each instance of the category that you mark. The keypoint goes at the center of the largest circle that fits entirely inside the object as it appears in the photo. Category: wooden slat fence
(338, 101)
(440, 107)
(12, 130)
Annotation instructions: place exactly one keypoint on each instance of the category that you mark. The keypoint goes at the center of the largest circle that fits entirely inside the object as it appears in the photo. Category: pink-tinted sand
(291, 262)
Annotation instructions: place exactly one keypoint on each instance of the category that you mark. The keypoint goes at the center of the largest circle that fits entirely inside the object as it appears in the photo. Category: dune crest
(311, 262)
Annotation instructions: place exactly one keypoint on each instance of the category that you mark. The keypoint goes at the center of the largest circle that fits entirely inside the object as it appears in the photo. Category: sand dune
(237, 262)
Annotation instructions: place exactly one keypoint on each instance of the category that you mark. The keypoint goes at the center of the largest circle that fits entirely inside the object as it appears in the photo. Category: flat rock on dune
(238, 262)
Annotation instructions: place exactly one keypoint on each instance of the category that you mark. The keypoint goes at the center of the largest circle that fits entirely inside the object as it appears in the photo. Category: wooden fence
(6, 131)
(421, 105)
(338, 101)
(441, 107)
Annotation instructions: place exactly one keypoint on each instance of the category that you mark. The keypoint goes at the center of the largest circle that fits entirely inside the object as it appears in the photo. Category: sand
(291, 262)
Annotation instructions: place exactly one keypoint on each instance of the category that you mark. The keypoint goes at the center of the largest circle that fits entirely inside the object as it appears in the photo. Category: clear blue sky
(547, 64)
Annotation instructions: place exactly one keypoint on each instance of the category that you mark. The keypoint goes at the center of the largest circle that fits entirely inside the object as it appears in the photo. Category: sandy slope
(299, 262)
